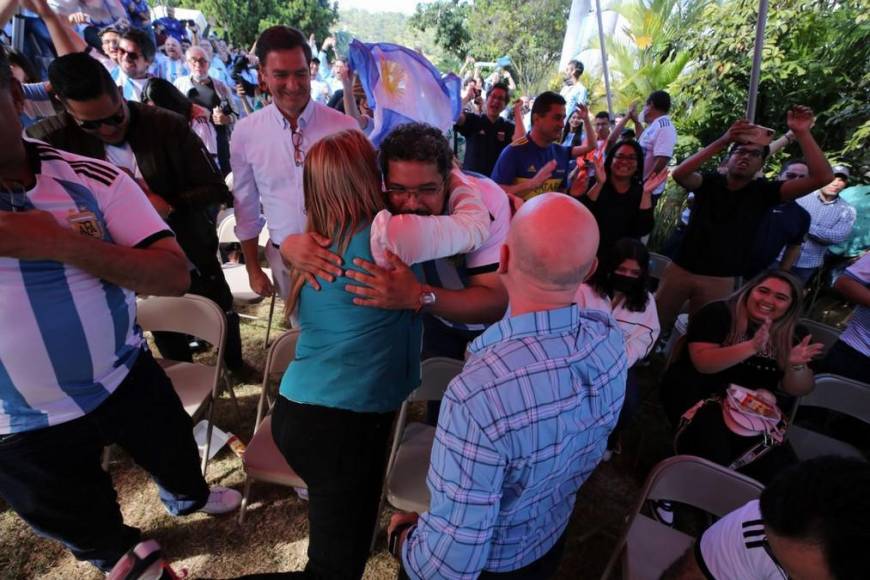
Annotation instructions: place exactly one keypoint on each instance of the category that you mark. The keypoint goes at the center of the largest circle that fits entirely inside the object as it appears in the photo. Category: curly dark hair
(824, 501)
(624, 249)
(416, 142)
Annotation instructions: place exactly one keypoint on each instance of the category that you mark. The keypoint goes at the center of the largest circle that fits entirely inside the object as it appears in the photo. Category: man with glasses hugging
(728, 210)
(268, 150)
(169, 162)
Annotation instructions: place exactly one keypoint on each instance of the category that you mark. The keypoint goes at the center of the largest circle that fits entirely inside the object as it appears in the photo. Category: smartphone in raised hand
(757, 135)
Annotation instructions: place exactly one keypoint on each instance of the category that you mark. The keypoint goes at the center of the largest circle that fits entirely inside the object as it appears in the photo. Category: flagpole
(756, 61)
(604, 57)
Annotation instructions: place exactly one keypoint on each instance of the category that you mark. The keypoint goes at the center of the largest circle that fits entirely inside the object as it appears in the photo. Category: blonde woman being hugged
(355, 365)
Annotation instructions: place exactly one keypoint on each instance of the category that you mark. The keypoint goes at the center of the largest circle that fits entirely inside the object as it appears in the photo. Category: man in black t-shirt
(486, 135)
(727, 212)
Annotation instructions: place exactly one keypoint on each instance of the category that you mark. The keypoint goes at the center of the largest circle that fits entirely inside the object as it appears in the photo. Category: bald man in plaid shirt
(526, 422)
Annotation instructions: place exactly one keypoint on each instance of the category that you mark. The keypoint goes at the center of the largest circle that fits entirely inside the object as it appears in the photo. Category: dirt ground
(273, 537)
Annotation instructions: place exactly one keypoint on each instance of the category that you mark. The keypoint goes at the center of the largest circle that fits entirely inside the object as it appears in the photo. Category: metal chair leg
(208, 436)
(269, 323)
(229, 387)
(245, 494)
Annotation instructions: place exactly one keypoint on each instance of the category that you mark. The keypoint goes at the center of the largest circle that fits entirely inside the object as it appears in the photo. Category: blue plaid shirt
(520, 430)
(830, 223)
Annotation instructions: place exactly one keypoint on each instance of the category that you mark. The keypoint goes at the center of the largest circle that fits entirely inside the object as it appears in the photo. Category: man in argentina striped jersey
(77, 238)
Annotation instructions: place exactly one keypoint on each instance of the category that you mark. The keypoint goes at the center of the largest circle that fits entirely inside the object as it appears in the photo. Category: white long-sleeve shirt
(265, 172)
(415, 238)
(640, 329)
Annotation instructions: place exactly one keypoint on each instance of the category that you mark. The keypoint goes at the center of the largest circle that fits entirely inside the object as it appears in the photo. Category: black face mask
(624, 284)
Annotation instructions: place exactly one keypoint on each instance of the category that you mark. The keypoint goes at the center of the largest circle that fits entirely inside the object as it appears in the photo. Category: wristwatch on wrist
(427, 298)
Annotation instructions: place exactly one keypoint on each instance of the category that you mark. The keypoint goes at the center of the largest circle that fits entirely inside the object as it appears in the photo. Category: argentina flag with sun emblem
(403, 87)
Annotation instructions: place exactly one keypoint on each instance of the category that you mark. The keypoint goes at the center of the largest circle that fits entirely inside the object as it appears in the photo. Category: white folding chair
(820, 332)
(647, 547)
(262, 460)
(195, 383)
(657, 265)
(834, 393)
(237, 275)
(408, 465)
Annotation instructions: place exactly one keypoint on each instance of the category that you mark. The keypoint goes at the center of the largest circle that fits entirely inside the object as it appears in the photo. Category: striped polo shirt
(69, 338)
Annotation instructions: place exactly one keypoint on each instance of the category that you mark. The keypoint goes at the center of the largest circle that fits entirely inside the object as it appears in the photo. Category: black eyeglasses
(298, 154)
(791, 175)
(755, 153)
(112, 121)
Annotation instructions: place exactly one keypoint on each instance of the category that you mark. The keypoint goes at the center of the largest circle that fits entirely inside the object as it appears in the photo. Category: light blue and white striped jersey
(130, 88)
(69, 338)
(166, 68)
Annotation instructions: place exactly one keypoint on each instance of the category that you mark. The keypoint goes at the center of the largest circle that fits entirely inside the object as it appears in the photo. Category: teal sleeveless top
(353, 357)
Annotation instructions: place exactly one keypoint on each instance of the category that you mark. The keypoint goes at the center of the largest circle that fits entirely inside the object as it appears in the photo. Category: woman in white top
(620, 287)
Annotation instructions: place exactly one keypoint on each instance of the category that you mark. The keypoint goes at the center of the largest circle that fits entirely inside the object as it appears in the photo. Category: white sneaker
(222, 500)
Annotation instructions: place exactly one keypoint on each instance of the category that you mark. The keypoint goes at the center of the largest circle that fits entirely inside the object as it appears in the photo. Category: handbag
(748, 413)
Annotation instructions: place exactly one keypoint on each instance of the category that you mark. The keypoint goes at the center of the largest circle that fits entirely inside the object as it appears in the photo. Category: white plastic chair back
(408, 465)
(188, 314)
(262, 459)
(823, 333)
(835, 393)
(226, 230)
(195, 383)
(222, 215)
(647, 548)
(436, 374)
(281, 354)
(657, 265)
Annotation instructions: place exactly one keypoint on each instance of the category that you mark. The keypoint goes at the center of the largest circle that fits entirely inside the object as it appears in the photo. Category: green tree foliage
(447, 19)
(816, 53)
(531, 33)
(397, 28)
(310, 16)
(655, 56)
(242, 20)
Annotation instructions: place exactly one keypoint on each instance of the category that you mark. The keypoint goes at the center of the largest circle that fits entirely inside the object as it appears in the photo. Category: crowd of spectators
(527, 259)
